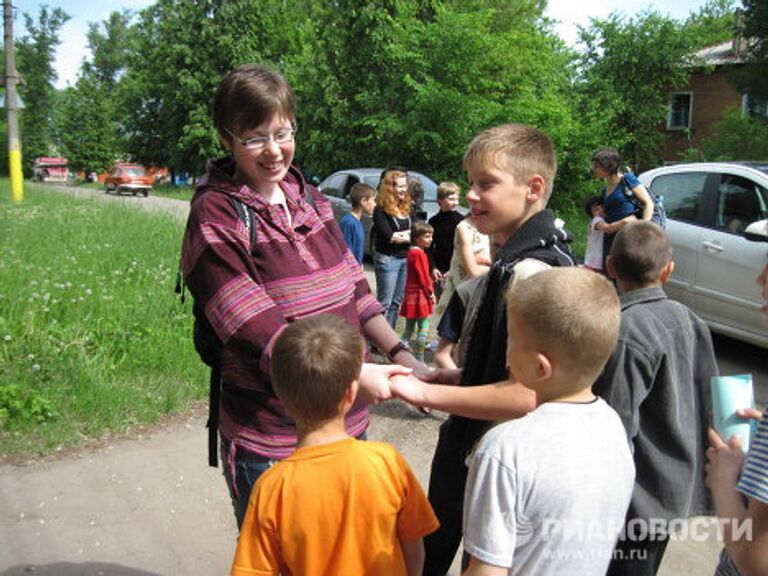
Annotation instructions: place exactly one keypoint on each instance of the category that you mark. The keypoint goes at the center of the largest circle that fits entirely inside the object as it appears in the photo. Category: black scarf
(538, 238)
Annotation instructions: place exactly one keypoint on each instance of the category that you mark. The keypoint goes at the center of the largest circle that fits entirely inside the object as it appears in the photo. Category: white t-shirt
(593, 257)
(547, 494)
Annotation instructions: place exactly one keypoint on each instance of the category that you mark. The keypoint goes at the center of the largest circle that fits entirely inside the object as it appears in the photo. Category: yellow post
(11, 79)
(17, 176)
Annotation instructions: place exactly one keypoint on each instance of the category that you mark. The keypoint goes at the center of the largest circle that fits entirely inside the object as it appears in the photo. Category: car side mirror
(757, 231)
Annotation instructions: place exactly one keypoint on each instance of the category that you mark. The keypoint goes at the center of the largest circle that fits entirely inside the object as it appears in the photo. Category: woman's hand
(642, 194)
(374, 381)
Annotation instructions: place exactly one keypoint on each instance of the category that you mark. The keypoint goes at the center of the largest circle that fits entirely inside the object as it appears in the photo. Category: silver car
(709, 206)
(337, 186)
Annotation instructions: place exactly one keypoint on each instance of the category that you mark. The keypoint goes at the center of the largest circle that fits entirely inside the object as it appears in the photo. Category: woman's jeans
(390, 284)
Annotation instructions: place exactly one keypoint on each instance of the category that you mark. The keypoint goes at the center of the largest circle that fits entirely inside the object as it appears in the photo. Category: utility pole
(11, 79)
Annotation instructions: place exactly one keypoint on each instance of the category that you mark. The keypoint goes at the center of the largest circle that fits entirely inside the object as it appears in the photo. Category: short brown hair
(639, 253)
(314, 362)
(359, 192)
(572, 313)
(445, 189)
(609, 159)
(419, 229)
(521, 150)
(249, 95)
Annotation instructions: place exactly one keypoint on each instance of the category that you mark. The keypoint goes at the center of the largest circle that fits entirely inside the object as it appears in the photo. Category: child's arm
(443, 356)
(725, 462)
(468, 258)
(603, 226)
(499, 401)
(478, 568)
(413, 553)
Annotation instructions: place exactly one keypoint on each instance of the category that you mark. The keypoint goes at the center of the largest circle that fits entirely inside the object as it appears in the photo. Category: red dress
(418, 287)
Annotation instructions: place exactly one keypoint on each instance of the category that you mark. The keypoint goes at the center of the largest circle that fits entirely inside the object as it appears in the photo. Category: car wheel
(146, 193)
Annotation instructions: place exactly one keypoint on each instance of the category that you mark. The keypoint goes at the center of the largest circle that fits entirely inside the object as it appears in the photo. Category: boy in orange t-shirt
(337, 505)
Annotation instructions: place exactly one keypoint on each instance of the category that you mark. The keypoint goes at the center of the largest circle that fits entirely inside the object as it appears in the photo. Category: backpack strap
(214, 397)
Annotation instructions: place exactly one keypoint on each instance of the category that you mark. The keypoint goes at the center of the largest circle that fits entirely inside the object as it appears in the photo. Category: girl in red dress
(419, 299)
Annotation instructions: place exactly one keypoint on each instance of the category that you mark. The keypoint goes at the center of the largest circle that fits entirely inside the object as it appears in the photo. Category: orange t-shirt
(339, 508)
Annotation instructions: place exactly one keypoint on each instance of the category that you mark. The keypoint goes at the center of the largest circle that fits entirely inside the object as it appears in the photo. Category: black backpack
(207, 342)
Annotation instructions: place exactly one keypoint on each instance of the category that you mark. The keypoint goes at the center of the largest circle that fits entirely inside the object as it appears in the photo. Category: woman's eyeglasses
(261, 142)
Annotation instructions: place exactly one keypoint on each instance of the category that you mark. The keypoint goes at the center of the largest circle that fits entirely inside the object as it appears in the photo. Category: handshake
(381, 382)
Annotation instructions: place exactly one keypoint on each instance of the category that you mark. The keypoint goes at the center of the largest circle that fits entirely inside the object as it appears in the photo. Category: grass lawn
(93, 339)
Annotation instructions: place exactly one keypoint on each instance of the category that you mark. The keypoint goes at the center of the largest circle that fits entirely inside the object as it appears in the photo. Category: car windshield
(134, 171)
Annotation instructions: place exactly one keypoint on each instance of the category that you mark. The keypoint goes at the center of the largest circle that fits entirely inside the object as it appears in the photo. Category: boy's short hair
(521, 150)
(639, 252)
(445, 189)
(314, 362)
(359, 192)
(572, 313)
(609, 159)
(591, 202)
(249, 95)
(419, 228)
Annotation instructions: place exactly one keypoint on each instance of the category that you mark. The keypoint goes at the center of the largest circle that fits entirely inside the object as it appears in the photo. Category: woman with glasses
(262, 249)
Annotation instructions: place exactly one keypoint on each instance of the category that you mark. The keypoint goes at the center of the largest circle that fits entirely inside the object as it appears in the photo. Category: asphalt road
(148, 505)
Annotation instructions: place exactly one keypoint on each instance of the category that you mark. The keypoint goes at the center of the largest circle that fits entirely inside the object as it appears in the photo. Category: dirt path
(150, 506)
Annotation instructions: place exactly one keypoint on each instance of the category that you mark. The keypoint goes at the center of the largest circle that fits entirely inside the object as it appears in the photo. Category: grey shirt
(658, 381)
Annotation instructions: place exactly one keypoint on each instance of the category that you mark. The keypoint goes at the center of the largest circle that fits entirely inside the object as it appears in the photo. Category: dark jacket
(658, 380)
(539, 239)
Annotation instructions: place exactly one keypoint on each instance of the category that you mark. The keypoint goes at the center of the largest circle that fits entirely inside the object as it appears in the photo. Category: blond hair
(445, 189)
(572, 314)
(521, 150)
(314, 362)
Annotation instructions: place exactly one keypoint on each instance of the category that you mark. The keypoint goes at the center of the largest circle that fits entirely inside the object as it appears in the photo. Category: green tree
(712, 23)
(755, 20)
(628, 68)
(35, 55)
(89, 113)
(739, 137)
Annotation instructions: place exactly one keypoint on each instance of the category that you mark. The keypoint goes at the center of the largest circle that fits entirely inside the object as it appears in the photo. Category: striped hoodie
(250, 293)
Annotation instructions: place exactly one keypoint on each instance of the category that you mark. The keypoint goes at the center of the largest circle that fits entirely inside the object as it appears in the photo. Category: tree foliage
(755, 22)
(35, 53)
(379, 82)
(629, 67)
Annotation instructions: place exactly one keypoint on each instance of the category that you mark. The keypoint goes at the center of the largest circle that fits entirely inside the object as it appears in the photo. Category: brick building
(695, 110)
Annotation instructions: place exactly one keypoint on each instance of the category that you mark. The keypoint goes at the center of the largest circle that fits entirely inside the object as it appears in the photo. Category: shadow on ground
(74, 569)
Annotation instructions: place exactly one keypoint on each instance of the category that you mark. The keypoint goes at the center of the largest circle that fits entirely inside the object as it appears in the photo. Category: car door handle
(713, 246)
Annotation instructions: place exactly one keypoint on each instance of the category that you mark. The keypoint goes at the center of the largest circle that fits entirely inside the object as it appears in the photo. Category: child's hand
(375, 379)
(724, 462)
(437, 276)
(408, 388)
(749, 413)
(432, 298)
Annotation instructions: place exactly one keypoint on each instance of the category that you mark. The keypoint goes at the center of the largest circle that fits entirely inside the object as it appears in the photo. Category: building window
(679, 116)
(752, 106)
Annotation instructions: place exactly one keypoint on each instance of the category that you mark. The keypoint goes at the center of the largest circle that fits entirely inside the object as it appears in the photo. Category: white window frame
(746, 108)
(670, 104)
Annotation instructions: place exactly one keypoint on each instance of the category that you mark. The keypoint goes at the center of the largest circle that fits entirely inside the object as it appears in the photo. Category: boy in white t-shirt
(547, 493)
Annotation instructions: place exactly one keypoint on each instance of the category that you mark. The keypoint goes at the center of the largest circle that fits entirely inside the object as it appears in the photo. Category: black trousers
(447, 480)
(637, 557)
